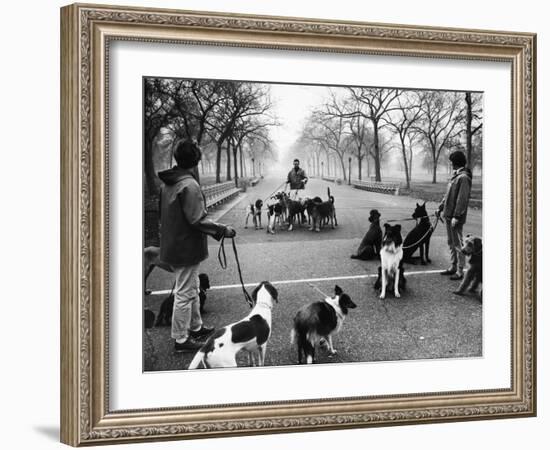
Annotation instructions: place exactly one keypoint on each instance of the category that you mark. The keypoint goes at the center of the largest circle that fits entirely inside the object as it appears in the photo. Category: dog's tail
(197, 360)
(330, 197)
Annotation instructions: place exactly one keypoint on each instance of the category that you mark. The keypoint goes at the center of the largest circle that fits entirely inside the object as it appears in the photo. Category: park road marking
(307, 280)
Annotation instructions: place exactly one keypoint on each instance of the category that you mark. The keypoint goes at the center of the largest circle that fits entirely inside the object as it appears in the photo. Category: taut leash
(432, 228)
(222, 258)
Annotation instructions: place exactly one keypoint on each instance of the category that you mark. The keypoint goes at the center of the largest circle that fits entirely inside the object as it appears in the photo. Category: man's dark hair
(458, 158)
(296, 160)
(187, 154)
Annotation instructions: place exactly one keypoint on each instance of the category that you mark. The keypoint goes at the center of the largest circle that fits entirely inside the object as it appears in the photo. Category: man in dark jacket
(454, 208)
(296, 177)
(183, 242)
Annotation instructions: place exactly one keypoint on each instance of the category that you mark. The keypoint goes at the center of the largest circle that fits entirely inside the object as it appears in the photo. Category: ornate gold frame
(85, 34)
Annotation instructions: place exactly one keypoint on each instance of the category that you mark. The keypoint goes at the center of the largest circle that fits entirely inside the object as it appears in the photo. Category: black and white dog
(249, 334)
(317, 322)
(275, 211)
(419, 236)
(391, 261)
(254, 210)
(167, 307)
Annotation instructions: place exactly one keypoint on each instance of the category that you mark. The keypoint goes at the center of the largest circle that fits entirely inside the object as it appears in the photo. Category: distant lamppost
(349, 170)
(253, 168)
(322, 169)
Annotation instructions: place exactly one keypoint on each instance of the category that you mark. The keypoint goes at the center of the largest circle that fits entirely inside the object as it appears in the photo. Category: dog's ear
(271, 289)
(424, 204)
(387, 225)
(417, 205)
(338, 290)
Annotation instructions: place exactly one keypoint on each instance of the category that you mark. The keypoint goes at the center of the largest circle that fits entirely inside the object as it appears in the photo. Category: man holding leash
(183, 242)
(454, 208)
(297, 177)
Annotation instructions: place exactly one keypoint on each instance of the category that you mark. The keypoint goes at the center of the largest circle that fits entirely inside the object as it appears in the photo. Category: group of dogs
(315, 323)
(282, 208)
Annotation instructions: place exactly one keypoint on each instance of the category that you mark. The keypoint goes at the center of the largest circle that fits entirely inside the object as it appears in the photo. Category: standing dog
(419, 237)
(473, 249)
(372, 242)
(391, 261)
(250, 334)
(254, 210)
(321, 211)
(295, 209)
(318, 321)
(275, 211)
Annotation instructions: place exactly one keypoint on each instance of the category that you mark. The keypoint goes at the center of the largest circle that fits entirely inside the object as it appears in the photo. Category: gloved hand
(454, 222)
(230, 232)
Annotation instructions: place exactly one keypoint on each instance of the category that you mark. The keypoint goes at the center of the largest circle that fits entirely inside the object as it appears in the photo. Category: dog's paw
(429, 261)
(382, 296)
(397, 294)
(458, 292)
(332, 352)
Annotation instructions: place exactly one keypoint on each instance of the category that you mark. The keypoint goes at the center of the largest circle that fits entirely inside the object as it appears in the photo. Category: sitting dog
(317, 322)
(254, 210)
(391, 261)
(473, 249)
(148, 318)
(419, 236)
(321, 211)
(372, 242)
(249, 334)
(167, 306)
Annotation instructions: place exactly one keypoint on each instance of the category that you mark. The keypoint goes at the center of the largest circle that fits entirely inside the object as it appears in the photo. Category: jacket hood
(175, 174)
(463, 171)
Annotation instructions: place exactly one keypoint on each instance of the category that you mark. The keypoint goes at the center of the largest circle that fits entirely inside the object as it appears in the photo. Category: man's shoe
(202, 333)
(457, 276)
(448, 272)
(190, 345)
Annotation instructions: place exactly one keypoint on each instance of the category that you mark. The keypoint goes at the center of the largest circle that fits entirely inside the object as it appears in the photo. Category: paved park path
(428, 321)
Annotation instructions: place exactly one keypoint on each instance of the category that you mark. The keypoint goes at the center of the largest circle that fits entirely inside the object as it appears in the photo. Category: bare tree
(402, 123)
(440, 122)
(473, 124)
(377, 103)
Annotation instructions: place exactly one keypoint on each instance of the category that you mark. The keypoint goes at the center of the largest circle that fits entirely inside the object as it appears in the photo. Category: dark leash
(432, 228)
(222, 258)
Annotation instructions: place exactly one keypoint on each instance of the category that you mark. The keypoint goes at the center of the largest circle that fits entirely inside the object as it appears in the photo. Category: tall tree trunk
(377, 171)
(343, 164)
(434, 175)
(405, 162)
(228, 165)
(219, 160)
(236, 164)
(150, 176)
(469, 129)
(241, 159)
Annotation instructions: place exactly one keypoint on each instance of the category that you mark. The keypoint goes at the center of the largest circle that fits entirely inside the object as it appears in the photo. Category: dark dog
(318, 321)
(148, 318)
(473, 249)
(295, 210)
(419, 237)
(321, 211)
(372, 242)
(167, 307)
(254, 210)
(391, 261)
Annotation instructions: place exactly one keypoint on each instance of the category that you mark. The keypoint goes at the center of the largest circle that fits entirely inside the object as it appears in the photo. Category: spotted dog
(249, 334)
(254, 210)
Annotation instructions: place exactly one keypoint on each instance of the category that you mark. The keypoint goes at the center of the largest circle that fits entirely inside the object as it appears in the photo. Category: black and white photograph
(288, 224)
